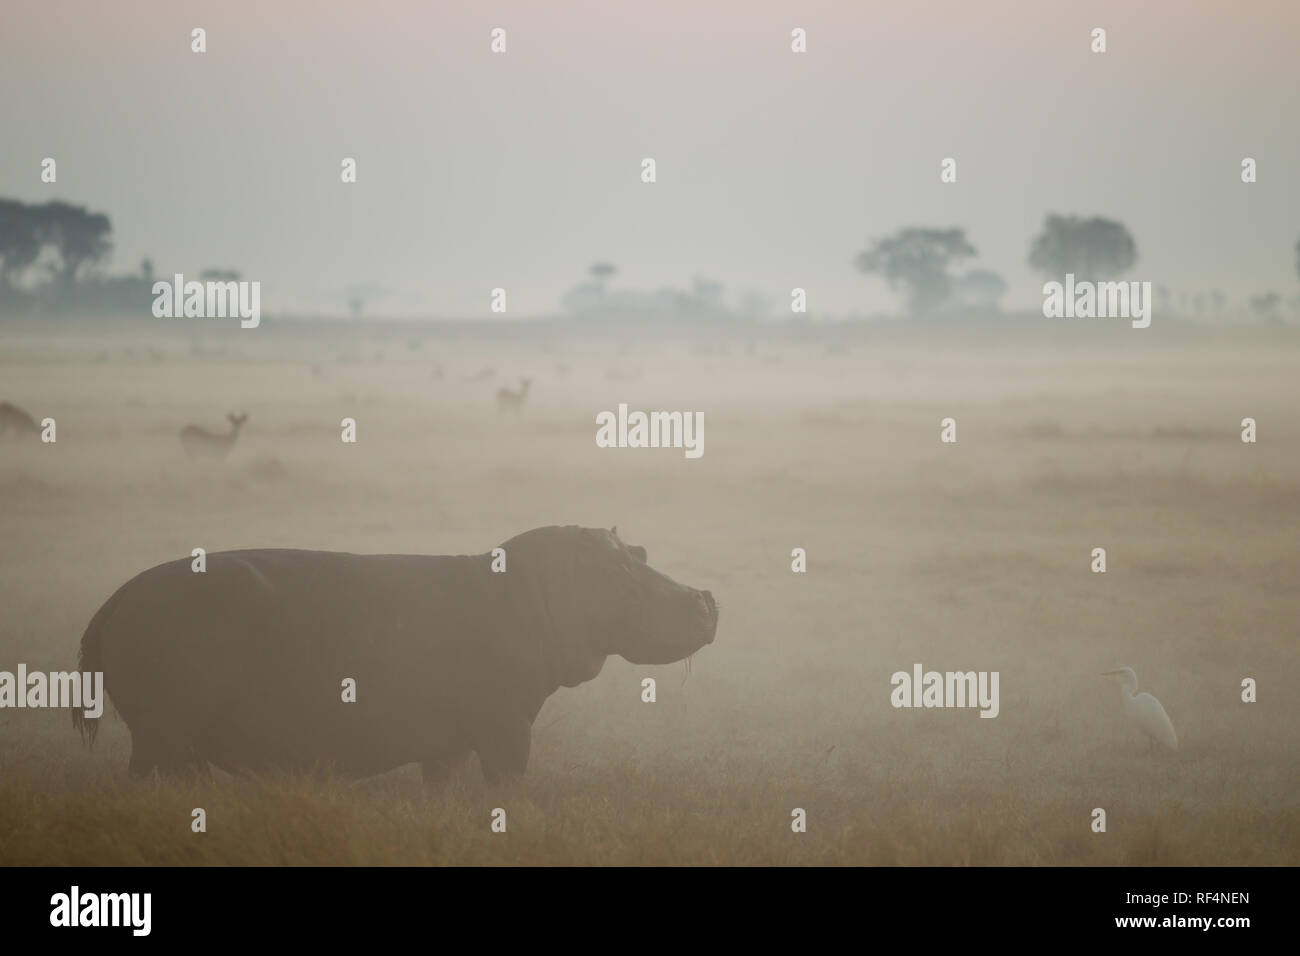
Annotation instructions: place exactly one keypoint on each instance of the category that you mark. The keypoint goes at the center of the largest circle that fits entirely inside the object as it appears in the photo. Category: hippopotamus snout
(681, 620)
(639, 612)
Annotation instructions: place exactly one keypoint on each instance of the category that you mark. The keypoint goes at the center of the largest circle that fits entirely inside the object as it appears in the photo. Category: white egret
(1143, 709)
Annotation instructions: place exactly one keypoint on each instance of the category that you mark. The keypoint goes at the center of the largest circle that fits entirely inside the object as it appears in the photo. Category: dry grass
(972, 556)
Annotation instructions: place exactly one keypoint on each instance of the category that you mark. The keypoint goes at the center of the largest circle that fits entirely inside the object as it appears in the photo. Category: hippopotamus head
(602, 598)
(651, 618)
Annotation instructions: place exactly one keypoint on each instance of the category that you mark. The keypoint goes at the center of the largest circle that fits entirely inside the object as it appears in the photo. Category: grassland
(972, 556)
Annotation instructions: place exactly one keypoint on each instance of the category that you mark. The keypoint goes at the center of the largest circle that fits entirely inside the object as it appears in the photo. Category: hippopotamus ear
(638, 552)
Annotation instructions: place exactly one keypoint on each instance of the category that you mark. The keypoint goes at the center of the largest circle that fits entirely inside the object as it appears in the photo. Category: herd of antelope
(200, 442)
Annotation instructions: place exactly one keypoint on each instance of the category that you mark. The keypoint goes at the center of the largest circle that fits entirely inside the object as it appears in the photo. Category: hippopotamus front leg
(502, 747)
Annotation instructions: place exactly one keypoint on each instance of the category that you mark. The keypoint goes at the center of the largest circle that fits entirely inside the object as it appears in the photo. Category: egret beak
(1110, 673)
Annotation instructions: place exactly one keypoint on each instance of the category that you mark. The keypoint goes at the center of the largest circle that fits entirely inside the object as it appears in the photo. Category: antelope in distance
(201, 443)
(508, 398)
(13, 418)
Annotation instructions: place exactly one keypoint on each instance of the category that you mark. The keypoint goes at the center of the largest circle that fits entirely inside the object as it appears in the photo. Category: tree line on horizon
(917, 261)
(49, 258)
(62, 245)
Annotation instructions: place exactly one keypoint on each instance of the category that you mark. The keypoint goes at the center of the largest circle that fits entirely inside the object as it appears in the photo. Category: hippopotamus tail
(91, 660)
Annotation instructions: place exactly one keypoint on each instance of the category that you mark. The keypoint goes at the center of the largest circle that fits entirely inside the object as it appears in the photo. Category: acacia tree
(78, 236)
(917, 259)
(1092, 249)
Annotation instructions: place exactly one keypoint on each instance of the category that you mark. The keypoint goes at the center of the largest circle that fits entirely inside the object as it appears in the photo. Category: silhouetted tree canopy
(1092, 249)
(77, 237)
(918, 260)
(80, 237)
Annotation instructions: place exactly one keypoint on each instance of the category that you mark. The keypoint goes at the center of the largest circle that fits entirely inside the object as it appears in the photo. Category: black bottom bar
(327, 905)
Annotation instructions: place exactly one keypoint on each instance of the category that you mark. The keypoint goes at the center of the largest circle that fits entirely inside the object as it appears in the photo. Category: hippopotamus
(302, 660)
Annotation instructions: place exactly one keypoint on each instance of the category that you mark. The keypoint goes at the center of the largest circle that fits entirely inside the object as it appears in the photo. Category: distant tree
(359, 293)
(917, 259)
(20, 243)
(1091, 249)
(78, 236)
(1297, 257)
(755, 303)
(707, 294)
(146, 270)
(587, 296)
(1265, 306)
(1220, 300)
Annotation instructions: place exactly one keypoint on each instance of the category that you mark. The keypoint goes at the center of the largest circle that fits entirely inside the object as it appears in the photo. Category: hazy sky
(774, 169)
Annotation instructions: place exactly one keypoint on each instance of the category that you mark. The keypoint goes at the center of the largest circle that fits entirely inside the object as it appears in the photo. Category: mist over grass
(972, 556)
